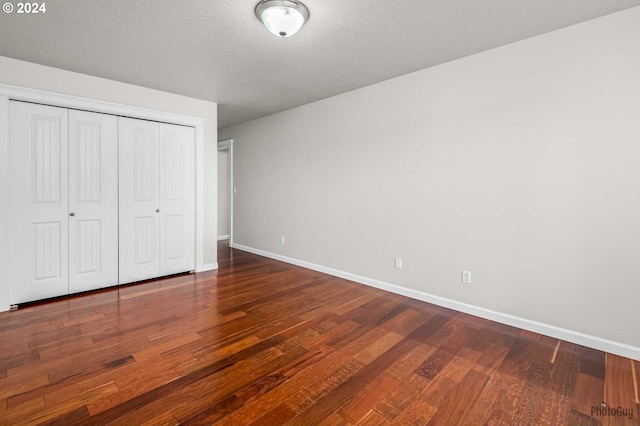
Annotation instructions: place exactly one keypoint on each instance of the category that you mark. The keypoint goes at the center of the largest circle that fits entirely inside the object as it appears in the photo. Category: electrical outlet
(398, 263)
(466, 277)
(282, 240)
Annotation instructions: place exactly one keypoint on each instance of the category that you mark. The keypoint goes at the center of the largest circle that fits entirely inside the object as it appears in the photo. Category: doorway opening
(225, 192)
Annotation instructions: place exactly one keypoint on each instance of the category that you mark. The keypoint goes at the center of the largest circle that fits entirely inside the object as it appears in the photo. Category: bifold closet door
(139, 183)
(157, 199)
(39, 202)
(177, 199)
(93, 201)
(64, 201)
(96, 200)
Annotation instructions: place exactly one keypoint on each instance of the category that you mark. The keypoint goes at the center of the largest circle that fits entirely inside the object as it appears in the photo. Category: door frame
(16, 93)
(225, 145)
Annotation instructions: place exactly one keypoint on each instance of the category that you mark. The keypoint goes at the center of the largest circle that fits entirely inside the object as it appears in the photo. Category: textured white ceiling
(217, 50)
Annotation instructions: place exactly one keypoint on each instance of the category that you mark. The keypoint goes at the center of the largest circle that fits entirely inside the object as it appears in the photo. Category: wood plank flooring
(260, 342)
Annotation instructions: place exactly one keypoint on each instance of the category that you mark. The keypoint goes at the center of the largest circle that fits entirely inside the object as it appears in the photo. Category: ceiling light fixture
(283, 18)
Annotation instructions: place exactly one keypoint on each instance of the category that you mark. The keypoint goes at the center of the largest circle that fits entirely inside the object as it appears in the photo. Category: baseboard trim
(594, 342)
(223, 237)
(209, 267)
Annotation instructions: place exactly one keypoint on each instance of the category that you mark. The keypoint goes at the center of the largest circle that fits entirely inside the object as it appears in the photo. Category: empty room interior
(320, 212)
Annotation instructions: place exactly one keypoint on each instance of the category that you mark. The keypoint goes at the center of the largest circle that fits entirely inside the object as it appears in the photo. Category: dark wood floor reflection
(263, 342)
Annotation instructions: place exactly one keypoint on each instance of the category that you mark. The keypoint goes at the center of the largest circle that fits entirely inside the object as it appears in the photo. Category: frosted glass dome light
(283, 18)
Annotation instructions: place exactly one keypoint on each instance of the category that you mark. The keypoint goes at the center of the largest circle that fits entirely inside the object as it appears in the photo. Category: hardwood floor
(263, 342)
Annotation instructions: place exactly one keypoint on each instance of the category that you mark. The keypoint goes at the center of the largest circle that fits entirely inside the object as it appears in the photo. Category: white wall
(223, 193)
(25, 74)
(520, 164)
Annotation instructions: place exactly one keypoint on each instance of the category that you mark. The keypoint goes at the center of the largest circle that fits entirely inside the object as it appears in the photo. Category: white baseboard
(208, 267)
(594, 342)
(223, 237)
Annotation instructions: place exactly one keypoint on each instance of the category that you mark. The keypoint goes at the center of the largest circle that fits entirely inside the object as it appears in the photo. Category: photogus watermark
(603, 410)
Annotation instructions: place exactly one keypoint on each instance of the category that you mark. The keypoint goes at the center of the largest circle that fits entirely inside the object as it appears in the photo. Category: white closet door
(139, 245)
(39, 202)
(93, 201)
(177, 199)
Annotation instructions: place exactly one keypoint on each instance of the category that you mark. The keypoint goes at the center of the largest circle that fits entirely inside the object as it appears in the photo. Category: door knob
(157, 210)
(72, 214)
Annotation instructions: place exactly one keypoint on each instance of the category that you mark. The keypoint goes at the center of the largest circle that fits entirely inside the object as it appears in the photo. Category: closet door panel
(177, 199)
(93, 201)
(39, 202)
(139, 195)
